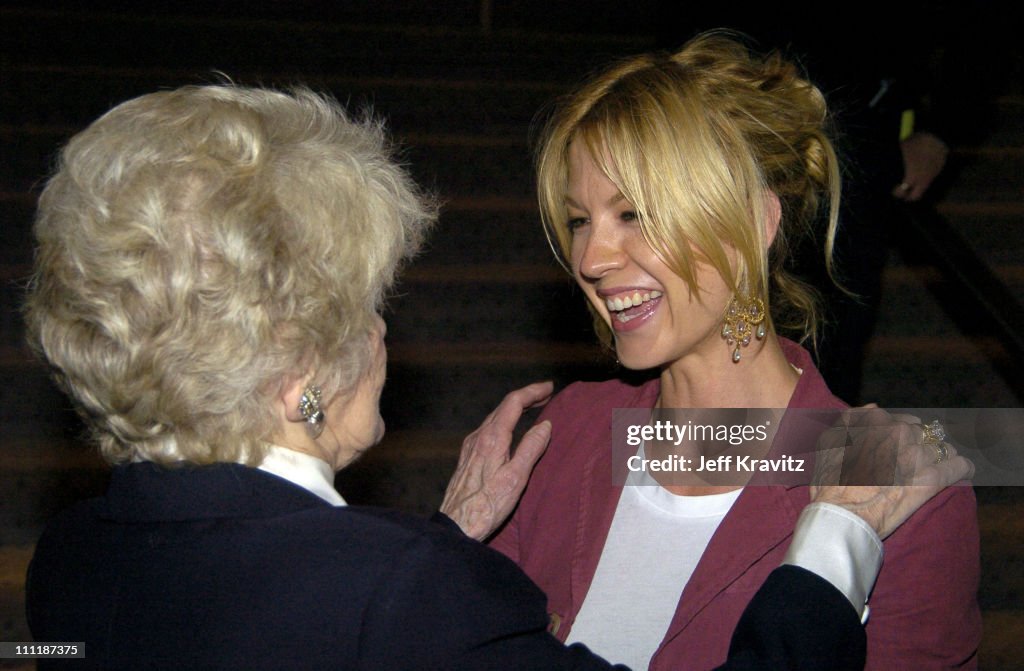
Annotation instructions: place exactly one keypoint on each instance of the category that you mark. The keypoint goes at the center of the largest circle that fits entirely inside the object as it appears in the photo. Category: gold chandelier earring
(744, 318)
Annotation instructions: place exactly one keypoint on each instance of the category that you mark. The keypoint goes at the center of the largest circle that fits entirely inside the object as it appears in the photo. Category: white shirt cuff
(840, 547)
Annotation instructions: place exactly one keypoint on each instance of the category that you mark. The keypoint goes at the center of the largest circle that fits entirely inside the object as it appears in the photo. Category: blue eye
(629, 215)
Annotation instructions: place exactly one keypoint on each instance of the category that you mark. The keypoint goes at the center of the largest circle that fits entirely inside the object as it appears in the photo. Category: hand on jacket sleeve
(490, 477)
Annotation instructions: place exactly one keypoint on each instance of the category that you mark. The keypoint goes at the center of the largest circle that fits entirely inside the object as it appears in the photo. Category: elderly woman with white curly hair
(210, 266)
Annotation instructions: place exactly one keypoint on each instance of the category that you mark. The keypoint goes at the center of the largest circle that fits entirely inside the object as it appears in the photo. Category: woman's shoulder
(581, 421)
(924, 607)
(811, 391)
(588, 398)
(581, 414)
(950, 517)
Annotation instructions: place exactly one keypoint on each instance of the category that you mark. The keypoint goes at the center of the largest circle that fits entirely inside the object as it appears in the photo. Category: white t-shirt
(653, 546)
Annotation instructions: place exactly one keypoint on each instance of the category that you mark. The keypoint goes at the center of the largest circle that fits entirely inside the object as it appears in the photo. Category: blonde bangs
(701, 142)
(695, 198)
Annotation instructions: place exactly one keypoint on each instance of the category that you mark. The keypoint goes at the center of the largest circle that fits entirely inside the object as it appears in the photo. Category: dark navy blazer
(228, 567)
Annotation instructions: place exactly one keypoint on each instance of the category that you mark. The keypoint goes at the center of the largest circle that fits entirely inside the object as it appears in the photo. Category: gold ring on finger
(933, 433)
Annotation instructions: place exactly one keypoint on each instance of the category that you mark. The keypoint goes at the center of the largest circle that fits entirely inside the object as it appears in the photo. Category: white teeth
(618, 304)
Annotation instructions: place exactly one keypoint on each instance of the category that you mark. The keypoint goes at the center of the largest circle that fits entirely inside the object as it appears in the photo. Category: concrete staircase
(484, 309)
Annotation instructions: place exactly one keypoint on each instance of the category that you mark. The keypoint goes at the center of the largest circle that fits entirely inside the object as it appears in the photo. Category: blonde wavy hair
(197, 246)
(696, 141)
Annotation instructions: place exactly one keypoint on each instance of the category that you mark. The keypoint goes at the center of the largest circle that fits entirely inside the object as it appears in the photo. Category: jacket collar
(147, 492)
(761, 519)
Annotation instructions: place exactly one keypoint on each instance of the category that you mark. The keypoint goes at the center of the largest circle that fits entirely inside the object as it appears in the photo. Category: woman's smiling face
(655, 318)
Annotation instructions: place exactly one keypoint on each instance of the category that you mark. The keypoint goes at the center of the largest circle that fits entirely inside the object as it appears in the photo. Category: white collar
(312, 474)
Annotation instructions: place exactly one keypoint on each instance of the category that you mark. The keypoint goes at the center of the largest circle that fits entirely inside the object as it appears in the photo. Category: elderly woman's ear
(299, 407)
(298, 397)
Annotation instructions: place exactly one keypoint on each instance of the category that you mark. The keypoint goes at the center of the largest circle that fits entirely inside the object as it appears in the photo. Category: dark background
(485, 309)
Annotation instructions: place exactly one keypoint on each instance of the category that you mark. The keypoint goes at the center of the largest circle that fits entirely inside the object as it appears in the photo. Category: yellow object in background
(906, 124)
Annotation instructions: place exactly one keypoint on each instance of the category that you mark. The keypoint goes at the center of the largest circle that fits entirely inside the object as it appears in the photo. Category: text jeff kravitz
(723, 463)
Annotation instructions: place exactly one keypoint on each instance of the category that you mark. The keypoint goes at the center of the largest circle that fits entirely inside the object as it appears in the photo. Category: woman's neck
(763, 378)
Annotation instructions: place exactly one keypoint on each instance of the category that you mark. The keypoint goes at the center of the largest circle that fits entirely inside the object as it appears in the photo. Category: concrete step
(480, 231)
(489, 312)
(455, 13)
(600, 16)
(431, 384)
(994, 231)
(472, 230)
(992, 175)
(932, 348)
(75, 95)
(16, 212)
(1000, 517)
(1001, 642)
(1006, 125)
(207, 45)
(1001, 520)
(13, 565)
(451, 166)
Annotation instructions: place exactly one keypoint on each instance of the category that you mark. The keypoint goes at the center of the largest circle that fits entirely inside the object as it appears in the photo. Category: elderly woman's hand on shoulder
(490, 476)
(883, 466)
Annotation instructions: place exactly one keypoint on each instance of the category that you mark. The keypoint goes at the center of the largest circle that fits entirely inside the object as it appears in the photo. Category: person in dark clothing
(889, 81)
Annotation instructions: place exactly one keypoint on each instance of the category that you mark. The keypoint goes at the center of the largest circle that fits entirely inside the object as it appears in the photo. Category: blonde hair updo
(696, 141)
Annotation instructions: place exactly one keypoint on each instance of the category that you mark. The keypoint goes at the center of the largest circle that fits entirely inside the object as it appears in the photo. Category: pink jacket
(924, 610)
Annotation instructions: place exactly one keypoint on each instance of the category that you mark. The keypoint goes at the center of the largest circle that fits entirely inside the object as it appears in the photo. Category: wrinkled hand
(875, 464)
(487, 483)
(924, 157)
